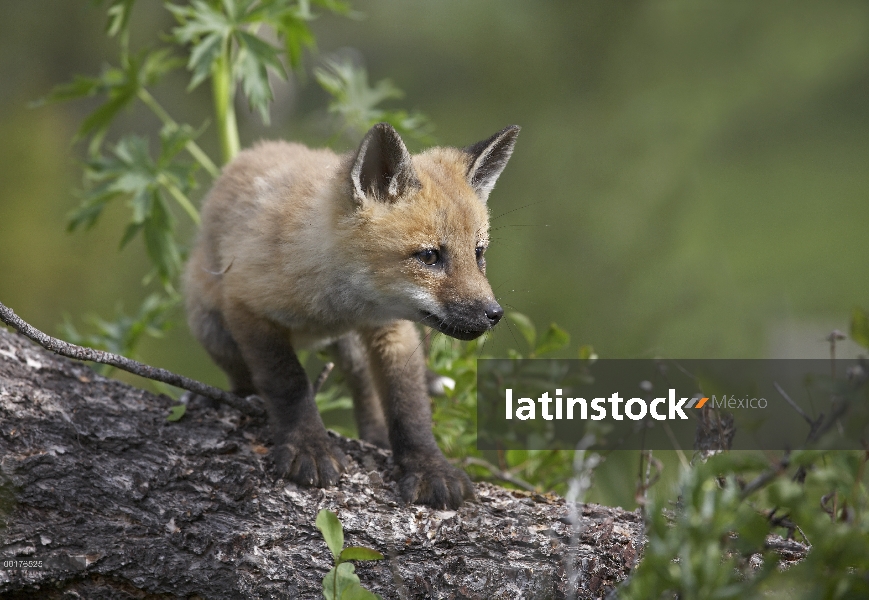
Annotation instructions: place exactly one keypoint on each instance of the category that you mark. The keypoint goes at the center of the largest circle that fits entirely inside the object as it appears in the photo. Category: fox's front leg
(398, 365)
(303, 451)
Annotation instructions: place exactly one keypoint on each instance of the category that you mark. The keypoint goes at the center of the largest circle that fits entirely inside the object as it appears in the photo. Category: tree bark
(105, 498)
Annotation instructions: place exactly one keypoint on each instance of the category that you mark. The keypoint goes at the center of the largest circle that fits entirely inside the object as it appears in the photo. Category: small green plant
(176, 412)
(456, 412)
(341, 582)
(122, 335)
(725, 512)
(707, 543)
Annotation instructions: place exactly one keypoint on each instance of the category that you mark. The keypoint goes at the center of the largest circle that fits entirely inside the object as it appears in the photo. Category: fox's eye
(429, 256)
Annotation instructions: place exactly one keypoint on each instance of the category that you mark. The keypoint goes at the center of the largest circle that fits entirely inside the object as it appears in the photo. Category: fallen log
(102, 497)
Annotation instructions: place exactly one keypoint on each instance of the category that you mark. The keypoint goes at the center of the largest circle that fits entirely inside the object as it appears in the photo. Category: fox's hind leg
(352, 359)
(210, 329)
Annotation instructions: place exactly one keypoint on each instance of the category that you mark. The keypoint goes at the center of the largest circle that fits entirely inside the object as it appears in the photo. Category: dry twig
(498, 473)
(8, 316)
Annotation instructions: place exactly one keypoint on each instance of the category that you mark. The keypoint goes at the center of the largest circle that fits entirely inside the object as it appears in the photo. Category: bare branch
(766, 477)
(498, 473)
(321, 378)
(8, 316)
(793, 404)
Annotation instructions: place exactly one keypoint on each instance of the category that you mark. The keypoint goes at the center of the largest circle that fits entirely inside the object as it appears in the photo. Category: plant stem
(191, 146)
(223, 88)
(179, 196)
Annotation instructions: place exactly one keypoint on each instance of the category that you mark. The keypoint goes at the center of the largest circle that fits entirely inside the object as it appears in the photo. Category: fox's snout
(494, 312)
(466, 320)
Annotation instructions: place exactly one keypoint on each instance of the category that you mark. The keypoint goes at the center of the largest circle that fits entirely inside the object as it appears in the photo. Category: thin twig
(321, 378)
(793, 404)
(683, 460)
(498, 473)
(780, 545)
(766, 477)
(121, 362)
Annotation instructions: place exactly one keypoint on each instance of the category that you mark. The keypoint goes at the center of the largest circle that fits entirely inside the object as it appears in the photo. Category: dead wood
(114, 501)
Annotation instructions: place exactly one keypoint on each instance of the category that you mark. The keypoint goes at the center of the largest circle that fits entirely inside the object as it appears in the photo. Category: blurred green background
(692, 179)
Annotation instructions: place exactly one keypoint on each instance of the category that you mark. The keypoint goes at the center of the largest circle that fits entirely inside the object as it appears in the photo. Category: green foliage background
(690, 180)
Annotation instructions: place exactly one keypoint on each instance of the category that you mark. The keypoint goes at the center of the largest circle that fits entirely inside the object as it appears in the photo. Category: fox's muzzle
(466, 321)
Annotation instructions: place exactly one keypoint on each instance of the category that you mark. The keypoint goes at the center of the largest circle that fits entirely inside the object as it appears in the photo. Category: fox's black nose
(494, 312)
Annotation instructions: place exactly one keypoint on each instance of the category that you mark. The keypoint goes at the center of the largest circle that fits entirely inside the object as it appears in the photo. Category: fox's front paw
(309, 459)
(435, 482)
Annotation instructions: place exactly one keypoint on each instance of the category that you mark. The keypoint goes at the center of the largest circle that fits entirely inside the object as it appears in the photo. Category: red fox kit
(306, 248)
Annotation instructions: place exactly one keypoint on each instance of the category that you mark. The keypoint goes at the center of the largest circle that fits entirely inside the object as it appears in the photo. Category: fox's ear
(382, 169)
(488, 159)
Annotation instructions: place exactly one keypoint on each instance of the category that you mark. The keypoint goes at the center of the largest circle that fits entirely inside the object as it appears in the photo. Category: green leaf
(132, 172)
(359, 553)
(156, 64)
(176, 412)
(293, 30)
(290, 21)
(336, 6)
(160, 242)
(251, 68)
(525, 326)
(93, 203)
(199, 20)
(329, 525)
(357, 592)
(133, 153)
(119, 16)
(119, 85)
(340, 580)
(120, 96)
(554, 339)
(860, 327)
(356, 102)
(202, 59)
(80, 87)
(208, 30)
(129, 233)
(264, 52)
(222, 33)
(122, 335)
(173, 140)
(333, 399)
